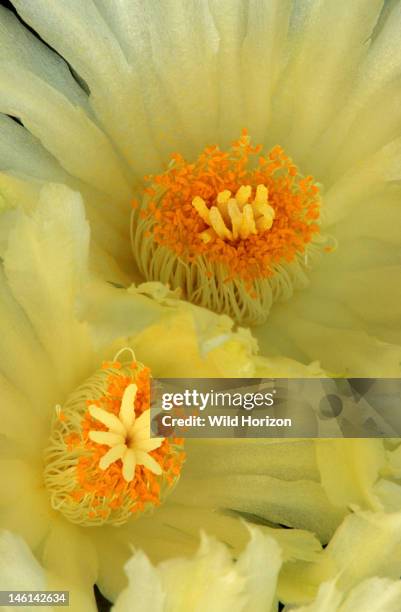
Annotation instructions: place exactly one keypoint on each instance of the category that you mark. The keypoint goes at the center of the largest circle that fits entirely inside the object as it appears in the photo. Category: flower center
(236, 230)
(101, 465)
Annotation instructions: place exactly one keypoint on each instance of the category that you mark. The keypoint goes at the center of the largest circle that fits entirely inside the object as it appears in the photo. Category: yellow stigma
(233, 218)
(128, 437)
(101, 465)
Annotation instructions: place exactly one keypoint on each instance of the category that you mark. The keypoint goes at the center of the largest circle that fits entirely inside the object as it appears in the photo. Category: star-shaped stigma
(128, 437)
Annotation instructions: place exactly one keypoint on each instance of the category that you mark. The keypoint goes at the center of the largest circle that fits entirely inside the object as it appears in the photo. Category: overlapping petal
(132, 83)
(55, 337)
(294, 73)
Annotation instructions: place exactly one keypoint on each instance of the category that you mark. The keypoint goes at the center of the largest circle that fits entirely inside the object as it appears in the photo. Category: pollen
(102, 466)
(232, 229)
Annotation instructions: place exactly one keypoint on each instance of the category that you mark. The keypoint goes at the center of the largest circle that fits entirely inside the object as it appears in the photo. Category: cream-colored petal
(367, 544)
(118, 313)
(19, 45)
(328, 599)
(361, 181)
(295, 544)
(375, 595)
(174, 90)
(203, 344)
(72, 137)
(376, 89)
(218, 585)
(341, 351)
(174, 530)
(32, 526)
(21, 152)
(261, 563)
(46, 275)
(375, 218)
(23, 361)
(155, 537)
(349, 470)
(209, 580)
(289, 460)
(113, 549)
(299, 504)
(81, 35)
(319, 75)
(265, 40)
(374, 294)
(202, 341)
(71, 563)
(16, 478)
(283, 367)
(388, 494)
(144, 592)
(21, 424)
(19, 570)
